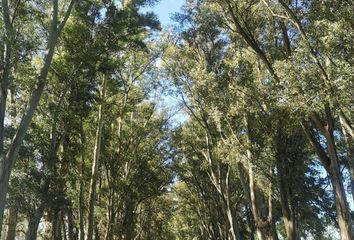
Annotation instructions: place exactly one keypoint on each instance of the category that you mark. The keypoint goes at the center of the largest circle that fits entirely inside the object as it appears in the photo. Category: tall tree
(8, 156)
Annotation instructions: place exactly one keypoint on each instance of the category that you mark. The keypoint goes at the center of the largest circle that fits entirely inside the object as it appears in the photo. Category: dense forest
(235, 122)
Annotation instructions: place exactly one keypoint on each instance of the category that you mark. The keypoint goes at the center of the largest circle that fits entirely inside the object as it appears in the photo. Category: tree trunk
(12, 223)
(110, 215)
(272, 229)
(97, 232)
(343, 213)
(4, 184)
(265, 226)
(33, 224)
(95, 166)
(234, 229)
(331, 164)
(56, 225)
(71, 225)
(350, 149)
(4, 84)
(8, 160)
(63, 230)
(81, 190)
(285, 198)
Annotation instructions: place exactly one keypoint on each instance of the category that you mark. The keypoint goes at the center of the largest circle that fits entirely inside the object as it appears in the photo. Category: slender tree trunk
(110, 215)
(272, 229)
(234, 229)
(250, 222)
(33, 223)
(7, 161)
(95, 166)
(343, 213)
(81, 188)
(4, 184)
(63, 230)
(285, 198)
(265, 226)
(254, 203)
(55, 225)
(4, 84)
(71, 225)
(12, 223)
(350, 149)
(330, 161)
(97, 232)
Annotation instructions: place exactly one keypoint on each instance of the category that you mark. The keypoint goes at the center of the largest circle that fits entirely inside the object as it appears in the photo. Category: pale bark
(331, 163)
(234, 229)
(63, 229)
(71, 225)
(346, 125)
(350, 152)
(12, 223)
(110, 215)
(265, 226)
(215, 177)
(95, 165)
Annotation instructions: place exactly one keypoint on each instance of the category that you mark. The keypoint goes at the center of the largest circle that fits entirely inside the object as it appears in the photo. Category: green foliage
(259, 83)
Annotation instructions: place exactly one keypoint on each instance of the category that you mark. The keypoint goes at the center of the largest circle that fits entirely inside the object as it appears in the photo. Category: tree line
(265, 149)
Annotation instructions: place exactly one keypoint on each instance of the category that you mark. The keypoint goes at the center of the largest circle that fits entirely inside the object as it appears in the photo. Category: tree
(8, 158)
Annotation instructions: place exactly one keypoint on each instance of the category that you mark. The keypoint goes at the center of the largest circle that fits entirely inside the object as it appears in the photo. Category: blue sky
(165, 8)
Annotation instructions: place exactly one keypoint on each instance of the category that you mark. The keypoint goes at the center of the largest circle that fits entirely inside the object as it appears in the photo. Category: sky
(165, 8)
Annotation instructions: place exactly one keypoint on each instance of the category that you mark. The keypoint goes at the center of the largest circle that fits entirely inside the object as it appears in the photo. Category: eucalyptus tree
(205, 79)
(199, 79)
(91, 47)
(112, 35)
(234, 79)
(258, 23)
(13, 16)
(255, 78)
